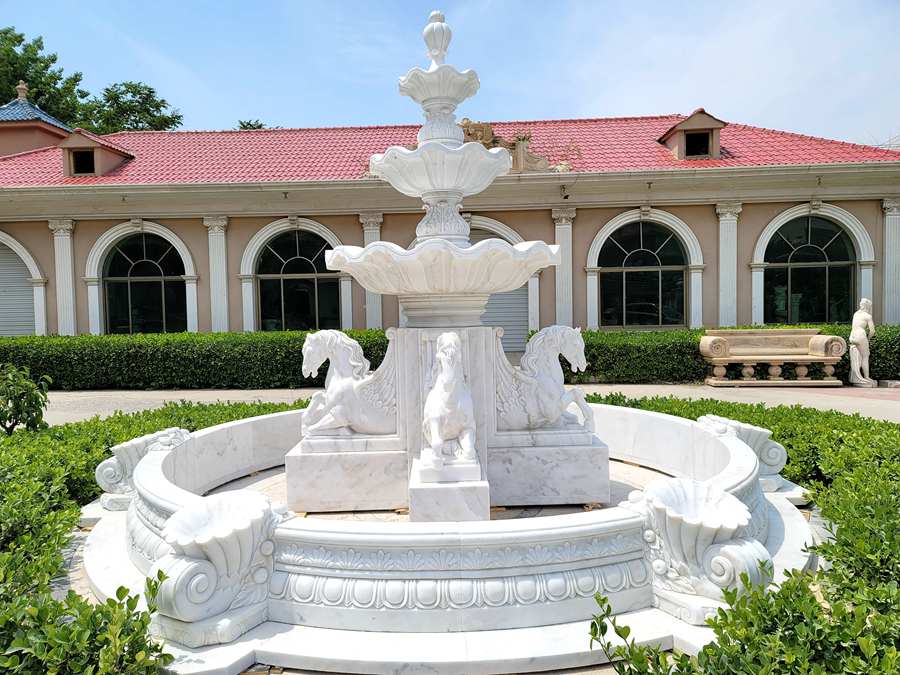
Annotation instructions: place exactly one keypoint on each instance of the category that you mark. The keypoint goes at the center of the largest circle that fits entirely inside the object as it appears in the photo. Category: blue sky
(826, 68)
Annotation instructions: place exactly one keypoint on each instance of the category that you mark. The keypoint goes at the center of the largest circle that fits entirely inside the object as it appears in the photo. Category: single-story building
(663, 221)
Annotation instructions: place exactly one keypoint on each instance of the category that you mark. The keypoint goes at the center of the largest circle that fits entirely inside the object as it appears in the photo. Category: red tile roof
(274, 155)
(104, 141)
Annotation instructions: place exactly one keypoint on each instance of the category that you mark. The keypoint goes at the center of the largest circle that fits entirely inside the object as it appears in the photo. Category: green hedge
(175, 360)
(274, 360)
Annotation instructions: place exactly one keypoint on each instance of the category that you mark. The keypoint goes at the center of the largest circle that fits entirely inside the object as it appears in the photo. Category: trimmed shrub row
(274, 360)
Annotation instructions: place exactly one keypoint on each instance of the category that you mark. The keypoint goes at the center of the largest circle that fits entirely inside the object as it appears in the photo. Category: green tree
(129, 106)
(251, 124)
(56, 93)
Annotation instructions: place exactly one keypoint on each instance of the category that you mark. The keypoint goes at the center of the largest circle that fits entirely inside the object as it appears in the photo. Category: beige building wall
(400, 229)
(38, 239)
(14, 140)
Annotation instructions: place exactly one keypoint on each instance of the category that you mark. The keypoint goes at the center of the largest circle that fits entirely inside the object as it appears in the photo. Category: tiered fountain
(445, 426)
(447, 429)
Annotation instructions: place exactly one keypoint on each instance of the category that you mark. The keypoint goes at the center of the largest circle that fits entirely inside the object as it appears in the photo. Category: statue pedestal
(447, 502)
(455, 471)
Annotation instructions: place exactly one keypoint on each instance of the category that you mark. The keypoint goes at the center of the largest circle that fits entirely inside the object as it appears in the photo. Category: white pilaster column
(248, 295)
(39, 290)
(218, 272)
(728, 220)
(64, 265)
(757, 283)
(371, 224)
(93, 293)
(866, 278)
(696, 299)
(891, 264)
(593, 300)
(190, 289)
(563, 219)
(534, 302)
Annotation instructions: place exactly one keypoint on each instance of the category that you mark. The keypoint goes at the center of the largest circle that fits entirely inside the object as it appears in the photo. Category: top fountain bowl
(440, 267)
(442, 83)
(434, 167)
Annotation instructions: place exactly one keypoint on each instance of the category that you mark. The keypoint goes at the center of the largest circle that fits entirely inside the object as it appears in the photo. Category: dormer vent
(694, 137)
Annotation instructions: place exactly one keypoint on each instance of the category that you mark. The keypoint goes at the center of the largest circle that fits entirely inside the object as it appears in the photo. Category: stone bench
(775, 347)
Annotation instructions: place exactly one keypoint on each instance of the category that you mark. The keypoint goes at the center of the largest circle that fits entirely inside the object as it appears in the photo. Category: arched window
(296, 290)
(809, 277)
(642, 268)
(144, 282)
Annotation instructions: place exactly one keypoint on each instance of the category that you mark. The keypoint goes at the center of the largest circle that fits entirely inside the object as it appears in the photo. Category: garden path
(71, 406)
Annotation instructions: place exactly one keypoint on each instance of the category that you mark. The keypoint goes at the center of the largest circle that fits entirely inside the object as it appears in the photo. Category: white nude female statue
(449, 418)
(863, 328)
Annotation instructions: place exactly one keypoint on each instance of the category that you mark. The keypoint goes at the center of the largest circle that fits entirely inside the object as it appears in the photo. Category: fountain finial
(437, 36)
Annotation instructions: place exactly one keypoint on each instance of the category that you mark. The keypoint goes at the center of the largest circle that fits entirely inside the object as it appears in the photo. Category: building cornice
(512, 192)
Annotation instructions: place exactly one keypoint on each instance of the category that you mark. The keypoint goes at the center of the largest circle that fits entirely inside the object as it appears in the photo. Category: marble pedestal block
(451, 472)
(447, 502)
(345, 481)
(565, 474)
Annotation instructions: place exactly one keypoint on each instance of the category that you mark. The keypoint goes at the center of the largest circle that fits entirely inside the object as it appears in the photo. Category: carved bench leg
(748, 372)
(775, 371)
(829, 372)
(802, 372)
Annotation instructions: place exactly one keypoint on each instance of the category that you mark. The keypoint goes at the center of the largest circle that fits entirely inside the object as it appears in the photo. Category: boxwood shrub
(274, 360)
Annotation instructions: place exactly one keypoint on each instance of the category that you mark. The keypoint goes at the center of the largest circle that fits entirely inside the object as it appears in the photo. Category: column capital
(563, 216)
(371, 220)
(216, 224)
(891, 206)
(61, 226)
(728, 209)
(467, 217)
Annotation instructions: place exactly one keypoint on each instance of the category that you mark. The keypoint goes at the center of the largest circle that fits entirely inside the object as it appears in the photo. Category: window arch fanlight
(144, 287)
(852, 250)
(644, 268)
(285, 283)
(810, 273)
(97, 271)
(295, 289)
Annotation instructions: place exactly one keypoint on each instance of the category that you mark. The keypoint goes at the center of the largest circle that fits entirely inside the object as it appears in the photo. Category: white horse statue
(534, 395)
(449, 414)
(354, 400)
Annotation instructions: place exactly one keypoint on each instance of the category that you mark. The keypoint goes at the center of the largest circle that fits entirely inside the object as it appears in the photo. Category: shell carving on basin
(437, 266)
(221, 555)
(696, 533)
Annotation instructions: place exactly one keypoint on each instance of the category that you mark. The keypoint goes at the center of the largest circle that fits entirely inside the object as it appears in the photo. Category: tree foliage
(129, 106)
(56, 93)
(122, 106)
(245, 125)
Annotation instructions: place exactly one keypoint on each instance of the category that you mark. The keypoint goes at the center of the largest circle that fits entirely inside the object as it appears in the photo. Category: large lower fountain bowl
(439, 267)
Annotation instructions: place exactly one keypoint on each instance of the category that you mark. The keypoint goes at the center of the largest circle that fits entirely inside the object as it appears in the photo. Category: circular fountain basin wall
(406, 576)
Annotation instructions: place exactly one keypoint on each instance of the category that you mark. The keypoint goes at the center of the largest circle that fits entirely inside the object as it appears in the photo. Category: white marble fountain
(447, 429)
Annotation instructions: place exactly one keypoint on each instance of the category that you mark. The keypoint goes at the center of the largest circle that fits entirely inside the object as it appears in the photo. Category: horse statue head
(344, 353)
(548, 343)
(447, 356)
